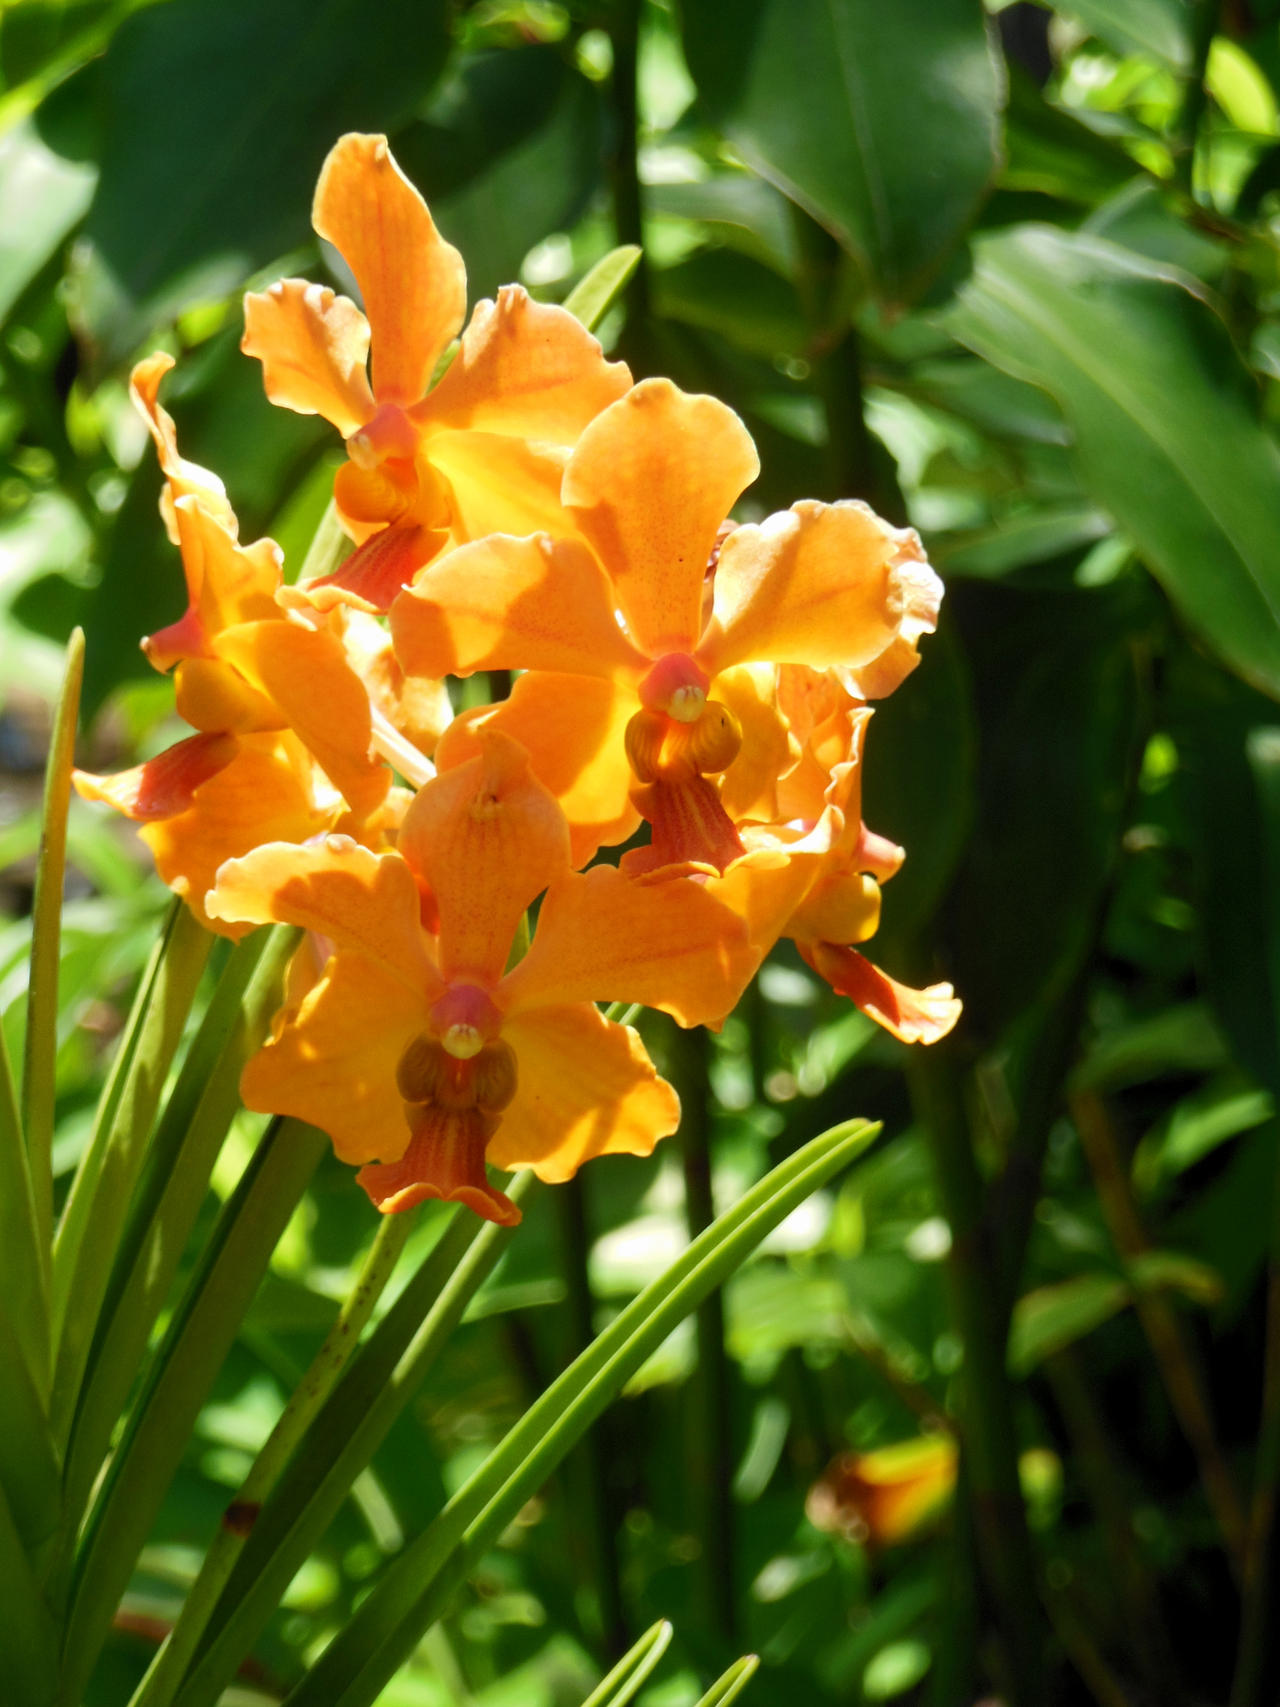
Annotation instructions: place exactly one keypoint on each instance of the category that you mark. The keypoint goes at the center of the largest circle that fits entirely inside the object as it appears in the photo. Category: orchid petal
(413, 283)
(913, 1016)
(506, 603)
(651, 480)
(526, 368)
(312, 344)
(586, 1087)
(487, 838)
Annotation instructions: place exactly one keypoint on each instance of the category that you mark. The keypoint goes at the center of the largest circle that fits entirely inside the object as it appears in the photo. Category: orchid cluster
(515, 504)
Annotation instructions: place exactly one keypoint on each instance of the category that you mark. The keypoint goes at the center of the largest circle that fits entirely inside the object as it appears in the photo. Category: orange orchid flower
(842, 905)
(284, 721)
(416, 1051)
(480, 452)
(624, 705)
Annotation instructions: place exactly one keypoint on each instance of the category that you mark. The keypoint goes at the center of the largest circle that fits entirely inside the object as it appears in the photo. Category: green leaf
(1152, 1271)
(730, 1684)
(1057, 724)
(632, 1669)
(380, 1382)
(597, 291)
(179, 1161)
(41, 198)
(1151, 29)
(1196, 1126)
(189, 204)
(1027, 536)
(1165, 418)
(178, 1380)
(417, 1587)
(41, 1047)
(94, 1214)
(30, 1475)
(815, 98)
(1053, 1317)
(28, 1635)
(508, 152)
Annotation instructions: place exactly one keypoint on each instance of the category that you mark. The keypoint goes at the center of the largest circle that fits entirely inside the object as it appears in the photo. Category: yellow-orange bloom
(624, 701)
(886, 1496)
(417, 1051)
(284, 748)
(480, 452)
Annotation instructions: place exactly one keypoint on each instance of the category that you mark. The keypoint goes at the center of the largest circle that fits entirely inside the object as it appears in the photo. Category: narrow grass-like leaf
(181, 1373)
(632, 1669)
(356, 1418)
(30, 1475)
(417, 1588)
(28, 1636)
(730, 1684)
(94, 1216)
(41, 1047)
(24, 1295)
(597, 291)
(304, 1403)
(175, 1180)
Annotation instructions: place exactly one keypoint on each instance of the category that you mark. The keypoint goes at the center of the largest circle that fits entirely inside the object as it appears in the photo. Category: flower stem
(1169, 1346)
(710, 1462)
(986, 1421)
(171, 1662)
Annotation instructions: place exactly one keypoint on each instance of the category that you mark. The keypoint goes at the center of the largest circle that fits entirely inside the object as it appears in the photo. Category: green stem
(710, 1456)
(1169, 1346)
(986, 1402)
(1256, 1655)
(167, 1669)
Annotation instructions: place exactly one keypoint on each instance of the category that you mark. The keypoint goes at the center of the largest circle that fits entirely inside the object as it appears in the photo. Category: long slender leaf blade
(340, 1443)
(28, 1635)
(24, 1295)
(41, 1046)
(97, 1208)
(30, 1474)
(1164, 415)
(415, 1589)
(632, 1669)
(186, 1144)
(194, 1348)
(730, 1684)
(597, 291)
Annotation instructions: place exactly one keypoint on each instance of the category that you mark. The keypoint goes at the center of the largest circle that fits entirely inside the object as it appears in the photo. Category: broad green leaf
(1212, 719)
(1195, 1126)
(178, 1379)
(741, 210)
(41, 198)
(1053, 1317)
(1049, 150)
(189, 203)
(417, 1587)
(1057, 727)
(632, 1669)
(595, 293)
(1028, 536)
(736, 296)
(816, 98)
(1178, 1039)
(1152, 29)
(507, 153)
(1165, 419)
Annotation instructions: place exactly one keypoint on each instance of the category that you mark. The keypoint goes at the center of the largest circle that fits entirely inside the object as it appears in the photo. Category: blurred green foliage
(1012, 277)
